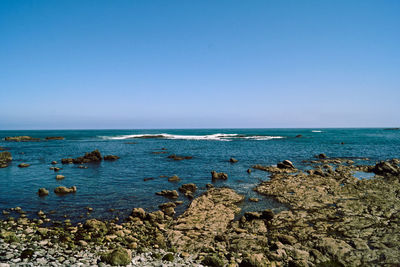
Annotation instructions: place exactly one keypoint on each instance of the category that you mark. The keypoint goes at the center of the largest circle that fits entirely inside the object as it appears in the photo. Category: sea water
(120, 185)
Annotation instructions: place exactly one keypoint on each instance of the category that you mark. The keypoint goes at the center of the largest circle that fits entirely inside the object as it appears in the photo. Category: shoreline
(333, 218)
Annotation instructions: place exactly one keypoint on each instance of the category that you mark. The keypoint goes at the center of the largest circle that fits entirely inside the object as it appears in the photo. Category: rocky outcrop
(286, 164)
(60, 177)
(94, 156)
(174, 178)
(386, 168)
(188, 190)
(21, 139)
(218, 176)
(207, 216)
(5, 159)
(111, 157)
(117, 257)
(54, 138)
(62, 190)
(233, 160)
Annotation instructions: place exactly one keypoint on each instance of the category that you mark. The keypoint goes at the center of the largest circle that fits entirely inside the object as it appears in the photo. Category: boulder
(248, 171)
(299, 135)
(54, 162)
(119, 256)
(286, 164)
(43, 192)
(94, 225)
(60, 177)
(23, 165)
(168, 193)
(175, 157)
(219, 175)
(385, 168)
(94, 156)
(64, 190)
(168, 208)
(111, 157)
(5, 159)
(321, 156)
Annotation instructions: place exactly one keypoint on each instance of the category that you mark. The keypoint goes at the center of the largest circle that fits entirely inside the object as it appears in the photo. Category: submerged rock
(233, 160)
(219, 175)
(168, 193)
(64, 190)
(175, 157)
(111, 157)
(174, 178)
(5, 159)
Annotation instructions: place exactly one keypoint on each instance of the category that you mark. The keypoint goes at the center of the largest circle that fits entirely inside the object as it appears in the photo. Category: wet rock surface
(89, 157)
(21, 139)
(5, 159)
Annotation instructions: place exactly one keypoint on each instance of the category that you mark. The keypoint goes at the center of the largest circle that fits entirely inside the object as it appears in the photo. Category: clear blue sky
(184, 64)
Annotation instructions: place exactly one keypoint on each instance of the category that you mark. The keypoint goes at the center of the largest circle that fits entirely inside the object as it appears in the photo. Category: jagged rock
(385, 168)
(94, 156)
(321, 156)
(54, 138)
(139, 213)
(5, 159)
(253, 199)
(188, 188)
(54, 162)
(219, 175)
(111, 157)
(168, 193)
(21, 138)
(118, 256)
(64, 190)
(168, 208)
(43, 192)
(233, 160)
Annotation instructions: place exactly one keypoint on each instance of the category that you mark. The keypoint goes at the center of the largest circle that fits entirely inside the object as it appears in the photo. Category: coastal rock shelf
(333, 219)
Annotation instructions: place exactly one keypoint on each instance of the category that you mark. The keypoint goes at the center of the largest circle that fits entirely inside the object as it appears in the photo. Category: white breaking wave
(215, 137)
(316, 131)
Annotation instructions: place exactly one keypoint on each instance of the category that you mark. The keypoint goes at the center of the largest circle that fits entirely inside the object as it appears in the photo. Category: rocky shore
(333, 219)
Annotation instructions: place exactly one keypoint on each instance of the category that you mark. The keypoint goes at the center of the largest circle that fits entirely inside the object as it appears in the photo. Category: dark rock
(139, 213)
(252, 215)
(385, 168)
(43, 192)
(94, 156)
(67, 161)
(321, 156)
(111, 157)
(64, 190)
(248, 171)
(219, 175)
(298, 136)
(168, 257)
(286, 164)
(168, 193)
(54, 162)
(54, 138)
(175, 157)
(233, 160)
(23, 165)
(213, 261)
(148, 179)
(267, 215)
(27, 254)
(94, 225)
(118, 256)
(21, 139)
(209, 186)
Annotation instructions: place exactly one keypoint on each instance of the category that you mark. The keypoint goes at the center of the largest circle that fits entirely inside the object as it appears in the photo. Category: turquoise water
(119, 184)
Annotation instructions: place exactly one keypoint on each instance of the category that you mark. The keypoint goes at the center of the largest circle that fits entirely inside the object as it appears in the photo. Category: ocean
(113, 188)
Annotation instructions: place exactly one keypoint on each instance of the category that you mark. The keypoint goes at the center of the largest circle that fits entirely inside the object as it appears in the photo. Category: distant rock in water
(60, 177)
(299, 135)
(62, 190)
(111, 157)
(24, 165)
(5, 159)
(43, 192)
(233, 160)
(174, 178)
(54, 138)
(168, 193)
(219, 175)
(21, 139)
(391, 129)
(175, 157)
(94, 156)
(321, 156)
